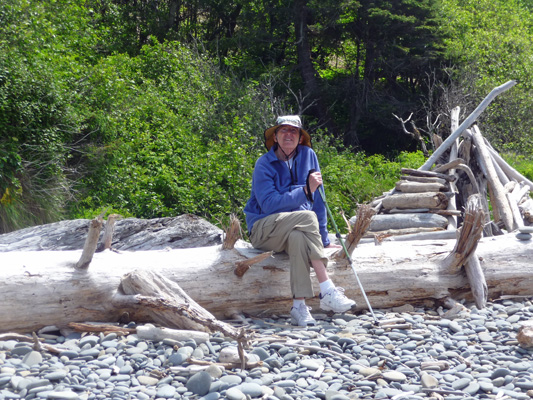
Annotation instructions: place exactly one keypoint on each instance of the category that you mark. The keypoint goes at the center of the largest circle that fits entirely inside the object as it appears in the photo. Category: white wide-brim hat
(292, 120)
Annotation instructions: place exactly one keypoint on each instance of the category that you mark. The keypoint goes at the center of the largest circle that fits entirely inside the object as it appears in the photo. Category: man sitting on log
(284, 214)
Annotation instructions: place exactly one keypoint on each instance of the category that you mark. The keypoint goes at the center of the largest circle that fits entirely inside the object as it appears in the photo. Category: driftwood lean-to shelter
(428, 240)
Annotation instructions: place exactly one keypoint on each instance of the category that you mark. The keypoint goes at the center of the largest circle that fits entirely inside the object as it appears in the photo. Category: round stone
(56, 375)
(166, 391)
(429, 381)
(177, 358)
(235, 394)
(199, 383)
(261, 352)
(309, 364)
(147, 380)
(460, 383)
(32, 358)
(394, 376)
(523, 236)
(251, 389)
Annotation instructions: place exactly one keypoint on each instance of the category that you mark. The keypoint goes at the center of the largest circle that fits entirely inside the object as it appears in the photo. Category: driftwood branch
(243, 266)
(466, 123)
(108, 231)
(101, 328)
(459, 163)
(90, 243)
(415, 134)
(477, 281)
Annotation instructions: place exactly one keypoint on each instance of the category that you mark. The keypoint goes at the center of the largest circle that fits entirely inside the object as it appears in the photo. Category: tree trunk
(312, 93)
(43, 288)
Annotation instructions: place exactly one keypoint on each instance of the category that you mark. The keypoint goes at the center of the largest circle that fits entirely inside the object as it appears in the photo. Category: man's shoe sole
(295, 323)
(327, 308)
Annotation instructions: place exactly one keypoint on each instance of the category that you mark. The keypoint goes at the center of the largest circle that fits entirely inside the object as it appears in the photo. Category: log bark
(363, 220)
(43, 288)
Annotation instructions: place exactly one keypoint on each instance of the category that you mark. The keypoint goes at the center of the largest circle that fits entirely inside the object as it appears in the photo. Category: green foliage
(37, 72)
(105, 104)
(352, 178)
(522, 163)
(490, 43)
(169, 146)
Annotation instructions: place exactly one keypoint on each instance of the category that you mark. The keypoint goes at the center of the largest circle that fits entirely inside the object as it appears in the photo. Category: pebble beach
(472, 354)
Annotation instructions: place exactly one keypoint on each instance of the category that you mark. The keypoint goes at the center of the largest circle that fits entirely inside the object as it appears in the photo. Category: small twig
(36, 344)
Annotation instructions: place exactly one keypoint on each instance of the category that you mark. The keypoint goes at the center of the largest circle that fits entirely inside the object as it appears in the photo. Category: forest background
(154, 108)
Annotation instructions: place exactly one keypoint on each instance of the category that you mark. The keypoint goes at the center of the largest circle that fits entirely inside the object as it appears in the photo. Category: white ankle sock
(297, 302)
(326, 285)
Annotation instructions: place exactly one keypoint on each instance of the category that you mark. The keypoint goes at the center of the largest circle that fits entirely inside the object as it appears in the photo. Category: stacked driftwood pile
(426, 204)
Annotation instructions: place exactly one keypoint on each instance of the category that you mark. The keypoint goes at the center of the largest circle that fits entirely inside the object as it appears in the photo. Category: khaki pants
(296, 233)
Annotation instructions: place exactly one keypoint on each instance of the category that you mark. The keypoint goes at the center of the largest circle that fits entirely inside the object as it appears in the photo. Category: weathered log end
(167, 302)
(168, 305)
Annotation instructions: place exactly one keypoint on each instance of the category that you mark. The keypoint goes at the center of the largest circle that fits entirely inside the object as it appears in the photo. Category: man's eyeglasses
(289, 130)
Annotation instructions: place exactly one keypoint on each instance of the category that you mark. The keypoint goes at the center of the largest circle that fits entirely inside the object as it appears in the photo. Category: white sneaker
(335, 300)
(301, 316)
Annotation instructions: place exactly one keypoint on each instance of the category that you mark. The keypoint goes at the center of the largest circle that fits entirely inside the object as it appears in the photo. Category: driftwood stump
(464, 252)
(362, 223)
(170, 306)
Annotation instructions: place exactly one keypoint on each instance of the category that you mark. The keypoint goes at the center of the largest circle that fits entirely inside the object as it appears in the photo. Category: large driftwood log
(133, 234)
(416, 200)
(383, 222)
(43, 288)
(419, 187)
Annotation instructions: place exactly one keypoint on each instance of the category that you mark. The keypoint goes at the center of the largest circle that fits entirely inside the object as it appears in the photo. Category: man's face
(288, 138)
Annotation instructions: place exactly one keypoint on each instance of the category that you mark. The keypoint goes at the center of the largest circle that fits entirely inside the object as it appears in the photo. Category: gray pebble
(235, 394)
(199, 383)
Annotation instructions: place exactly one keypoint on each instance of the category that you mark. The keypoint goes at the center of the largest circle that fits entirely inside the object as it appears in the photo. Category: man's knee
(307, 217)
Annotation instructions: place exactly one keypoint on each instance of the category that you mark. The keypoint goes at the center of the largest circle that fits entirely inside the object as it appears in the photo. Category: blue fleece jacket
(277, 188)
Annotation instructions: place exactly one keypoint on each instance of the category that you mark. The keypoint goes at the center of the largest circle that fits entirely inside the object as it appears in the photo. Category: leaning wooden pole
(500, 200)
(90, 243)
(466, 123)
